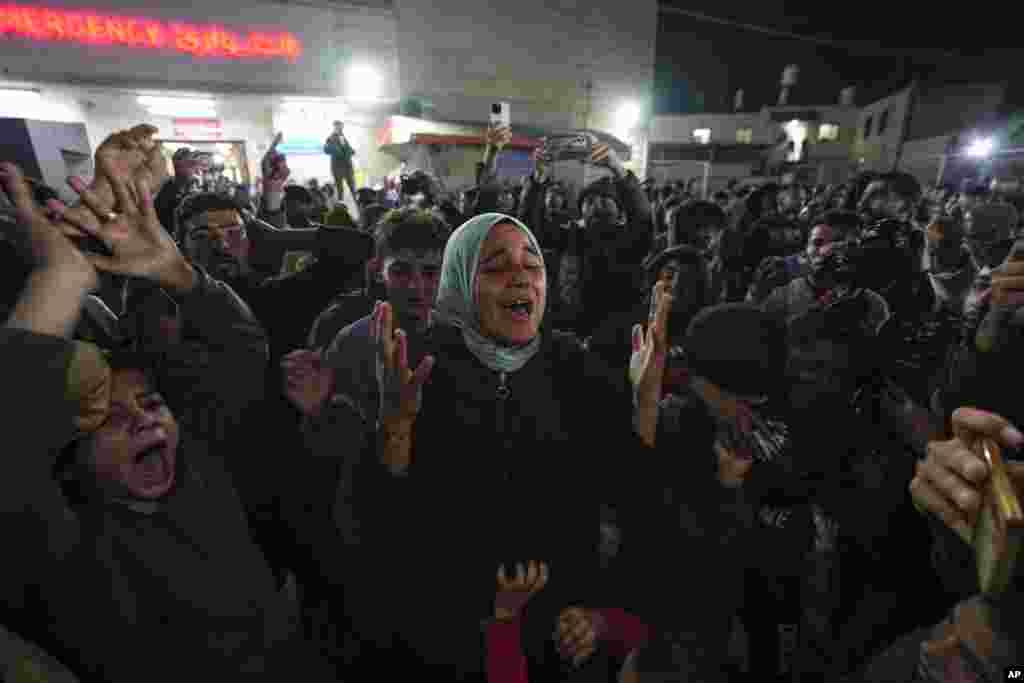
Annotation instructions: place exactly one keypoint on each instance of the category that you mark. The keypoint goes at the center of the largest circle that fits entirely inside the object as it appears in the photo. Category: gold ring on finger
(111, 217)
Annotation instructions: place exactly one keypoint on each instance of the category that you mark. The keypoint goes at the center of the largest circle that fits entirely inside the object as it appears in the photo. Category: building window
(867, 127)
(745, 136)
(883, 122)
(828, 132)
(702, 136)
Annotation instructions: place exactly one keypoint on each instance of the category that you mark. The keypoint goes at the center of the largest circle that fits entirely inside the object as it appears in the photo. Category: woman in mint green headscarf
(501, 328)
(500, 438)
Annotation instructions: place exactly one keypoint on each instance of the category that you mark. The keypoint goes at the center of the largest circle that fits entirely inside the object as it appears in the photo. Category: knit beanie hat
(739, 348)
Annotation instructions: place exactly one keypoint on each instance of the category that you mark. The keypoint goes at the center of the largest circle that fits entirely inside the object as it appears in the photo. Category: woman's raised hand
(513, 593)
(307, 381)
(401, 389)
(650, 346)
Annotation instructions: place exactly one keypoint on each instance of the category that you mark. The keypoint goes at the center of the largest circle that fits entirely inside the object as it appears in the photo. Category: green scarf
(456, 294)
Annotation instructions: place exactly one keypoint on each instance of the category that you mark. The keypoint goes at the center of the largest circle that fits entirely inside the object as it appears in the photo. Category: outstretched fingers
(89, 197)
(18, 189)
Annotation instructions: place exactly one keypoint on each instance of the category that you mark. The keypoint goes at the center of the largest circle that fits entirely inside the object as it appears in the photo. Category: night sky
(700, 64)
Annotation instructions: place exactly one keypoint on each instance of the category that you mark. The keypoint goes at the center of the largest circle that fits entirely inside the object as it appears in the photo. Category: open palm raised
(138, 243)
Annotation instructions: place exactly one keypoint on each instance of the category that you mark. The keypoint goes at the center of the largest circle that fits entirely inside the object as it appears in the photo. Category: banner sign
(198, 129)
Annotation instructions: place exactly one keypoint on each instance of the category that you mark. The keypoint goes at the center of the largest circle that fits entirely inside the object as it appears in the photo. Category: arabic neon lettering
(99, 28)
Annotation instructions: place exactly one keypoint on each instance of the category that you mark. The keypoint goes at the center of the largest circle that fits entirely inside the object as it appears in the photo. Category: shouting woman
(500, 457)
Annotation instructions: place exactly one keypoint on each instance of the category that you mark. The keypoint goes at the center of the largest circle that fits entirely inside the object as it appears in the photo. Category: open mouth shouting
(153, 464)
(520, 310)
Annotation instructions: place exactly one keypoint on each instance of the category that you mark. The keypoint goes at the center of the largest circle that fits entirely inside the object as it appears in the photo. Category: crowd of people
(626, 433)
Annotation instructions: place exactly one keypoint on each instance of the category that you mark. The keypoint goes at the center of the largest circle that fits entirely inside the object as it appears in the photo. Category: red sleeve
(625, 632)
(505, 660)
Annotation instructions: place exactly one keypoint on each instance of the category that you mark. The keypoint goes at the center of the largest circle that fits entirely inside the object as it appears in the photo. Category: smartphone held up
(501, 117)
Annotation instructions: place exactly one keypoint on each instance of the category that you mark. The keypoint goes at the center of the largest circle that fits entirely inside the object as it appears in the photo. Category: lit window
(883, 122)
(702, 136)
(828, 132)
(745, 136)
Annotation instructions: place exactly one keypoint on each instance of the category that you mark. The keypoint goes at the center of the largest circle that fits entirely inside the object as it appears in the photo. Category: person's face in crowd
(819, 245)
(411, 278)
(135, 451)
(301, 213)
(769, 205)
(339, 128)
(683, 276)
(416, 201)
(987, 244)
(216, 242)
(944, 252)
(839, 198)
(555, 202)
(790, 201)
(507, 202)
(188, 169)
(600, 208)
(968, 202)
(511, 286)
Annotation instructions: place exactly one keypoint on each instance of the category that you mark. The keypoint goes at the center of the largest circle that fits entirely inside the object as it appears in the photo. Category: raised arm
(48, 380)
(275, 171)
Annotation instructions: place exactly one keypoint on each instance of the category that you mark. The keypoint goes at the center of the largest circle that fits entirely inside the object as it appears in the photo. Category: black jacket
(494, 481)
(610, 261)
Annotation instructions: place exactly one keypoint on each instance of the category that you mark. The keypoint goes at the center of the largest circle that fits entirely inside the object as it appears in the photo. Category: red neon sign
(94, 28)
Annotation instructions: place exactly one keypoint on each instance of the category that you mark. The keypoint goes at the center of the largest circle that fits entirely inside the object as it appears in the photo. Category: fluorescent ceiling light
(179, 106)
(20, 94)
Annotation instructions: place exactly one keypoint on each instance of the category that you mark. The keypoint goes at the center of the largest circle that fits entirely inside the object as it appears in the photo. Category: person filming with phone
(599, 261)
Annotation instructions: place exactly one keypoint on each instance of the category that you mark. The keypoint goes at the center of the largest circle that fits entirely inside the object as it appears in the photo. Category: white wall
(922, 158)
(879, 151)
(679, 129)
(536, 54)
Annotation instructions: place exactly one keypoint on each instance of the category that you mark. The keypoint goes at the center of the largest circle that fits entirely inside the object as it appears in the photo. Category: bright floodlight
(629, 115)
(362, 82)
(981, 148)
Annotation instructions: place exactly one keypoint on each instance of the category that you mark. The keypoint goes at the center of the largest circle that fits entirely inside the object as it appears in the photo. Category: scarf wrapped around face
(456, 294)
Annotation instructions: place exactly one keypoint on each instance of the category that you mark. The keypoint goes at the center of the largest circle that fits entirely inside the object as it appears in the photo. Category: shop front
(220, 77)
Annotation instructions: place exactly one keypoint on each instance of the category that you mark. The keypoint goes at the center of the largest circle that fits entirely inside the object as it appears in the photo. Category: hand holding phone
(500, 115)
